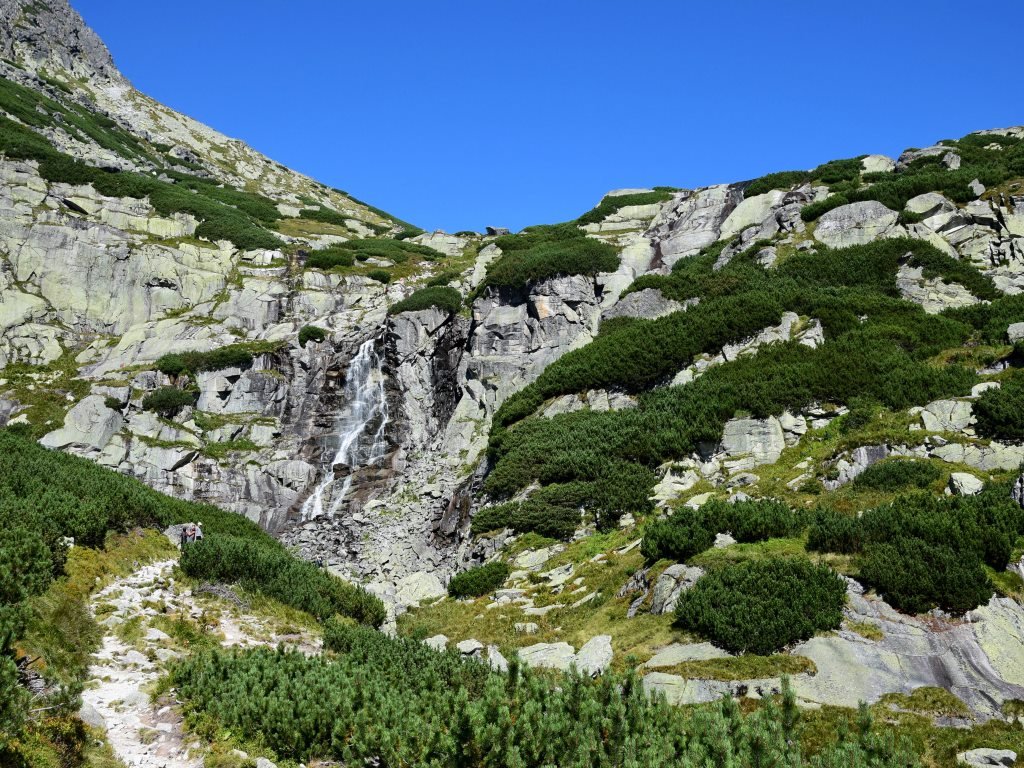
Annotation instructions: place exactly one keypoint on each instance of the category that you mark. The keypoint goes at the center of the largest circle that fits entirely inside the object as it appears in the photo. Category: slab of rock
(437, 642)
(947, 416)
(965, 484)
(469, 647)
(89, 425)
(673, 581)
(750, 443)
(526, 628)
(983, 756)
(1015, 332)
(677, 653)
(855, 224)
(419, 586)
(648, 303)
(595, 656)
(550, 655)
(877, 164)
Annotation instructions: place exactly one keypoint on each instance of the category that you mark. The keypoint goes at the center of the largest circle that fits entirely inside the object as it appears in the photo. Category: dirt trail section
(149, 620)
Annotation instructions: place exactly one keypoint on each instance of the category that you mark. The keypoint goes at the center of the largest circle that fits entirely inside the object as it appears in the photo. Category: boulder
(983, 756)
(559, 656)
(89, 426)
(877, 164)
(855, 224)
(469, 647)
(648, 303)
(678, 653)
(1015, 332)
(595, 656)
(752, 442)
(419, 586)
(437, 642)
(965, 484)
(673, 581)
(947, 416)
(91, 717)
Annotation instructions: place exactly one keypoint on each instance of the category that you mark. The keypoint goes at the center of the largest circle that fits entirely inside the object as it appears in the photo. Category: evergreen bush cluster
(442, 297)
(167, 401)
(761, 606)
(878, 348)
(613, 203)
(46, 496)
(263, 565)
(478, 581)
(231, 356)
(920, 551)
(396, 702)
(688, 532)
(541, 252)
(991, 166)
(347, 253)
(897, 474)
(1000, 412)
(314, 333)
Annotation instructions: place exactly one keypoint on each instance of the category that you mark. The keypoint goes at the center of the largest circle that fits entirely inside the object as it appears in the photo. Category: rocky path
(142, 732)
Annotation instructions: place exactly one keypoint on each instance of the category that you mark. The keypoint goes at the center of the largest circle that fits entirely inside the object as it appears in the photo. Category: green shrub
(478, 581)
(395, 701)
(832, 531)
(897, 474)
(231, 356)
(916, 575)
(777, 180)
(314, 333)
(380, 275)
(112, 403)
(330, 258)
(539, 253)
(265, 566)
(1000, 412)
(687, 532)
(493, 518)
(324, 215)
(679, 537)
(442, 297)
(813, 211)
(444, 278)
(764, 605)
(613, 203)
(167, 401)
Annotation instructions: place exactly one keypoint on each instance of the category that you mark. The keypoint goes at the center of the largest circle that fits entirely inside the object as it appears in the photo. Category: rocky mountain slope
(402, 406)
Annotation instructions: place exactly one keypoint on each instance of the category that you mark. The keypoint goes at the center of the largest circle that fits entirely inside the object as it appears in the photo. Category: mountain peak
(44, 34)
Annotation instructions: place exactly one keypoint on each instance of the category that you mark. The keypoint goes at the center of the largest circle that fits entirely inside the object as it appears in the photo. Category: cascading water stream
(365, 405)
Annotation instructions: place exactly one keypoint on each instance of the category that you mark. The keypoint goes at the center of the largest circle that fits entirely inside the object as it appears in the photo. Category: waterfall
(360, 430)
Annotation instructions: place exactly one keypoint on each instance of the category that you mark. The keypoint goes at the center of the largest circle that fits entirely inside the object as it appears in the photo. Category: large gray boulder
(559, 656)
(965, 484)
(982, 757)
(595, 656)
(855, 224)
(648, 303)
(947, 416)
(749, 443)
(87, 426)
(673, 581)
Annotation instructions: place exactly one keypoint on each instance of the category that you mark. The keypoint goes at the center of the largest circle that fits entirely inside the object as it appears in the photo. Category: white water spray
(365, 405)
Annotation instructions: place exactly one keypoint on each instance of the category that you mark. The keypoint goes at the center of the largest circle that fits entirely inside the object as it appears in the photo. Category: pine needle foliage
(396, 702)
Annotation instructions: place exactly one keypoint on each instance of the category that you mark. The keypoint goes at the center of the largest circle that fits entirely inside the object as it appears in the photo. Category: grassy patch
(746, 667)
(927, 700)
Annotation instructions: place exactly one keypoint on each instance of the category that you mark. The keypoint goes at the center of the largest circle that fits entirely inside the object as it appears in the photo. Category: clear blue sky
(459, 114)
